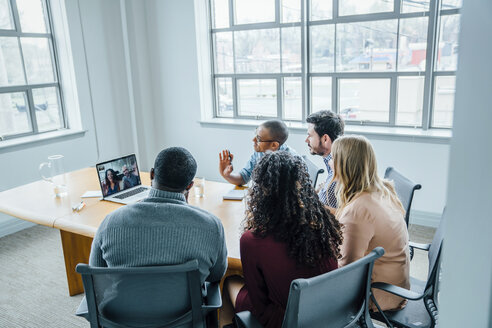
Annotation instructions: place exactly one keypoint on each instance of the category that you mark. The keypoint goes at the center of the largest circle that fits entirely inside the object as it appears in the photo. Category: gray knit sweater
(162, 229)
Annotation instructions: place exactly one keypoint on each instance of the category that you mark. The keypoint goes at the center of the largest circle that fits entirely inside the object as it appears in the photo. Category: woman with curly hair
(372, 215)
(288, 235)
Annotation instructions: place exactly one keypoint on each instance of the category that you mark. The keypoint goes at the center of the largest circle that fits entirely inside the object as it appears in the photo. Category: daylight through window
(30, 100)
(376, 62)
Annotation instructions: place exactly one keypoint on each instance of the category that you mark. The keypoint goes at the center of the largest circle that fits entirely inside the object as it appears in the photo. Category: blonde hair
(356, 171)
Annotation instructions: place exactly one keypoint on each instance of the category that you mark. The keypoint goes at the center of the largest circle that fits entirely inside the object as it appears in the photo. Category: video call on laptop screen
(118, 175)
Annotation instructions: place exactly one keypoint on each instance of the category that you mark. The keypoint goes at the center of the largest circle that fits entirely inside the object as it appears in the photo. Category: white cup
(53, 171)
(199, 187)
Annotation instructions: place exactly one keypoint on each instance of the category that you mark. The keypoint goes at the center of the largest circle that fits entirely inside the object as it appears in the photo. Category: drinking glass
(199, 187)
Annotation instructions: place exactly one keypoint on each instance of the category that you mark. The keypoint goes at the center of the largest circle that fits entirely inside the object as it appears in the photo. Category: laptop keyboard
(131, 193)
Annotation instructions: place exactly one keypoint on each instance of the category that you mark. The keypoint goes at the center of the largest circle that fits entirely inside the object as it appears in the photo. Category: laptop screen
(118, 174)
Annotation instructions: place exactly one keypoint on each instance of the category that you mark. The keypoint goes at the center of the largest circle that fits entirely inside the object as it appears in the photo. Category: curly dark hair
(283, 203)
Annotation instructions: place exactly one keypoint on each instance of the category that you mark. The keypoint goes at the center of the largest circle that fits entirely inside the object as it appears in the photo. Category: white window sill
(442, 136)
(24, 141)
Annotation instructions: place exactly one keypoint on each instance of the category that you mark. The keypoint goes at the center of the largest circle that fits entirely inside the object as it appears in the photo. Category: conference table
(36, 202)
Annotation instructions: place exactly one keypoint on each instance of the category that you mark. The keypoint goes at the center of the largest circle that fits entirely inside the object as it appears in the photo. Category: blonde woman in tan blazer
(372, 216)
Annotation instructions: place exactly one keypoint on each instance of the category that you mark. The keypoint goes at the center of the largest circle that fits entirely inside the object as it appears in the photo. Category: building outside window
(376, 62)
(30, 95)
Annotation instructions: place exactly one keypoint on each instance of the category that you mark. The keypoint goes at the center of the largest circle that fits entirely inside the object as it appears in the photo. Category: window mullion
(334, 80)
(15, 13)
(54, 55)
(231, 13)
(32, 111)
(235, 98)
(334, 94)
(280, 80)
(21, 51)
(305, 85)
(397, 44)
(18, 30)
(215, 101)
(235, 109)
(397, 7)
(335, 48)
(281, 56)
(393, 99)
(234, 86)
(61, 112)
(335, 9)
(277, 11)
(432, 41)
(280, 97)
(213, 80)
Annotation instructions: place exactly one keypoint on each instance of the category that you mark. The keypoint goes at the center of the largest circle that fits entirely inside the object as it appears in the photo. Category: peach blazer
(370, 221)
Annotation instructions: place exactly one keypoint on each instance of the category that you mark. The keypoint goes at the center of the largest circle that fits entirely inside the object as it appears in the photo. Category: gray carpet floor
(33, 284)
(33, 288)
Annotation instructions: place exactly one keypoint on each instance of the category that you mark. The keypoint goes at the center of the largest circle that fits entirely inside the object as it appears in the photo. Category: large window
(376, 62)
(30, 100)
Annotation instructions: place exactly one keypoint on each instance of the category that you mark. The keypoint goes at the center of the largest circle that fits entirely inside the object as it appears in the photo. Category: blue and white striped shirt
(327, 193)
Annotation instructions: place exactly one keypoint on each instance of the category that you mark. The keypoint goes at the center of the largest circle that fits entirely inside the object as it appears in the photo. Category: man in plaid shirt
(324, 127)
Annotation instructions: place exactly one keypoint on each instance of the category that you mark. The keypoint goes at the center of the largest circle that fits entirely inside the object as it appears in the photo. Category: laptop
(120, 180)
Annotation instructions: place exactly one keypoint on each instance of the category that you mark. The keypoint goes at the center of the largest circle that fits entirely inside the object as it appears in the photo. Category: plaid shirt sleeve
(327, 193)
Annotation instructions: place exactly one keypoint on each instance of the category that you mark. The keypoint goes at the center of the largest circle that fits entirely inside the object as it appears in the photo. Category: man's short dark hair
(174, 168)
(327, 122)
(277, 130)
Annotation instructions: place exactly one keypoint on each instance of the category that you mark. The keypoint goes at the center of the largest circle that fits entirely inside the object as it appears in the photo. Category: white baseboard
(428, 219)
(12, 225)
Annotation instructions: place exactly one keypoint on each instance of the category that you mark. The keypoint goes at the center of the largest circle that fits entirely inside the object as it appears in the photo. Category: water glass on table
(199, 187)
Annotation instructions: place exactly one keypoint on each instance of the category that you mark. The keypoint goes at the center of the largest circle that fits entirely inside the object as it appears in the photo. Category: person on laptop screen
(111, 183)
(129, 178)
(162, 228)
(270, 136)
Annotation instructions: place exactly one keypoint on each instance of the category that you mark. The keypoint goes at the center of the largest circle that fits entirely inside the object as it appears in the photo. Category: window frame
(28, 88)
(430, 73)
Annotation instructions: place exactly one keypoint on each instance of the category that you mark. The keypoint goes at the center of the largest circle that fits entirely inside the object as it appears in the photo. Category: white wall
(467, 259)
(104, 50)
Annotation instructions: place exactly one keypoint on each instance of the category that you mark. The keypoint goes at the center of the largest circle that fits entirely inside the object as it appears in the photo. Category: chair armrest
(82, 310)
(246, 320)
(402, 292)
(213, 299)
(424, 247)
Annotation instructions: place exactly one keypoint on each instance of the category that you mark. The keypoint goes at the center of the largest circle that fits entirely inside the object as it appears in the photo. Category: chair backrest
(313, 170)
(334, 299)
(143, 296)
(434, 254)
(404, 189)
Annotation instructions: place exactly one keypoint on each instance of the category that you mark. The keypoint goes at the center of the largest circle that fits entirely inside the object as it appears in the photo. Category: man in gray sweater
(163, 229)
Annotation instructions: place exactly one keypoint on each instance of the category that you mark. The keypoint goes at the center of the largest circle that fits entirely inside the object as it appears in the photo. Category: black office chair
(335, 299)
(404, 188)
(421, 310)
(313, 170)
(158, 296)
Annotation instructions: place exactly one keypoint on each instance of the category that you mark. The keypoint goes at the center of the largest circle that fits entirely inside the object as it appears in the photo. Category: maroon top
(268, 272)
